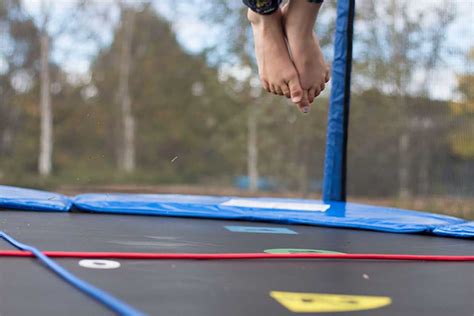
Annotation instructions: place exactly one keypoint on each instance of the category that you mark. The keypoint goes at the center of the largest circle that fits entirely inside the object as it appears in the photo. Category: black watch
(263, 6)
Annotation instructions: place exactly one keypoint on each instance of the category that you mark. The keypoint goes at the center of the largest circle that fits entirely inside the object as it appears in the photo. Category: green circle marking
(298, 250)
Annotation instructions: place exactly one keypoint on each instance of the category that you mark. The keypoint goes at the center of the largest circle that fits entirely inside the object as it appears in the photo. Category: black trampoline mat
(211, 288)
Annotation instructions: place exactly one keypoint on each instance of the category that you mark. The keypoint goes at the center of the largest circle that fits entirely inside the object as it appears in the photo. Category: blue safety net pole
(334, 188)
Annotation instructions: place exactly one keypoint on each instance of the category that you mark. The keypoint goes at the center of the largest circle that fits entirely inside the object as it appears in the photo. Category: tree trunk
(404, 166)
(46, 113)
(424, 171)
(10, 127)
(126, 159)
(252, 149)
(305, 163)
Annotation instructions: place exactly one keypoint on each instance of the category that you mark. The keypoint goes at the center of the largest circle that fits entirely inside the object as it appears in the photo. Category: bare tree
(402, 42)
(252, 148)
(68, 26)
(46, 112)
(126, 157)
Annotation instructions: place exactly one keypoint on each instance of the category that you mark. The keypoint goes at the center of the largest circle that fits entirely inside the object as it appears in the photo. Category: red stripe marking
(231, 256)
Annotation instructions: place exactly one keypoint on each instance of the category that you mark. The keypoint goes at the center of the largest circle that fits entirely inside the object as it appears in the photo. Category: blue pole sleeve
(334, 188)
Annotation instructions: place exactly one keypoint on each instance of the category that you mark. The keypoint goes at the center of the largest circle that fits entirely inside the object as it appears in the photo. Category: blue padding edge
(33, 200)
(289, 211)
(465, 230)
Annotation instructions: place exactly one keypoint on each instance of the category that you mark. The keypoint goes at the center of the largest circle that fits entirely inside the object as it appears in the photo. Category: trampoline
(221, 287)
(137, 254)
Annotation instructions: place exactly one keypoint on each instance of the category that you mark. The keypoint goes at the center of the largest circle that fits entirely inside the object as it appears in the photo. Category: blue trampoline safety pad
(465, 230)
(33, 200)
(277, 210)
(288, 211)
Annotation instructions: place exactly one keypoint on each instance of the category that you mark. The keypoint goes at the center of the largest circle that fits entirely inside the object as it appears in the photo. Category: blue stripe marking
(99, 295)
(261, 230)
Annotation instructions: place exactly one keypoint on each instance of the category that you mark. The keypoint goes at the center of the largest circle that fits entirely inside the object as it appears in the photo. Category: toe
(304, 104)
(311, 95)
(296, 92)
(275, 89)
(286, 90)
(271, 88)
(265, 85)
(322, 87)
(328, 75)
(279, 90)
(317, 91)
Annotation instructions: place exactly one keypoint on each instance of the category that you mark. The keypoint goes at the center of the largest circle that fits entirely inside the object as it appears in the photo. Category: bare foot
(277, 72)
(298, 21)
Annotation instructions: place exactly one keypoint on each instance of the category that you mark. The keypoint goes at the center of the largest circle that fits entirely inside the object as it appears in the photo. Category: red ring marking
(232, 256)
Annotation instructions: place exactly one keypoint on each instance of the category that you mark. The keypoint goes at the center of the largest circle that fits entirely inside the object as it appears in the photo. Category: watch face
(262, 4)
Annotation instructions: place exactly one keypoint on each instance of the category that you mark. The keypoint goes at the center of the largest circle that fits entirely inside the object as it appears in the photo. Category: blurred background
(163, 96)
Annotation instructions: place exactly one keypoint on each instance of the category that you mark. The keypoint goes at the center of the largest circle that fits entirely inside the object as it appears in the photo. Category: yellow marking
(327, 303)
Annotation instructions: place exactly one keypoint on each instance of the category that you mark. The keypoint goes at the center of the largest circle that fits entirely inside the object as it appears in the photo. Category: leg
(277, 72)
(299, 17)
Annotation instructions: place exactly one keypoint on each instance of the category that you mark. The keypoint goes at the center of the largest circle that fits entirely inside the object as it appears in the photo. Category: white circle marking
(99, 264)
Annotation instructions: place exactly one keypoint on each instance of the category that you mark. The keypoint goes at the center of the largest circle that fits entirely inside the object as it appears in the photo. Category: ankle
(302, 14)
(304, 7)
(260, 19)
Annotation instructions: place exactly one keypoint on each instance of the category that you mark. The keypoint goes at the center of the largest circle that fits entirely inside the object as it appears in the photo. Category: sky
(195, 35)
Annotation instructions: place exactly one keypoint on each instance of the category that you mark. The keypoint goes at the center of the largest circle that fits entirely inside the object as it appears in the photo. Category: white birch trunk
(126, 159)
(252, 149)
(46, 112)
